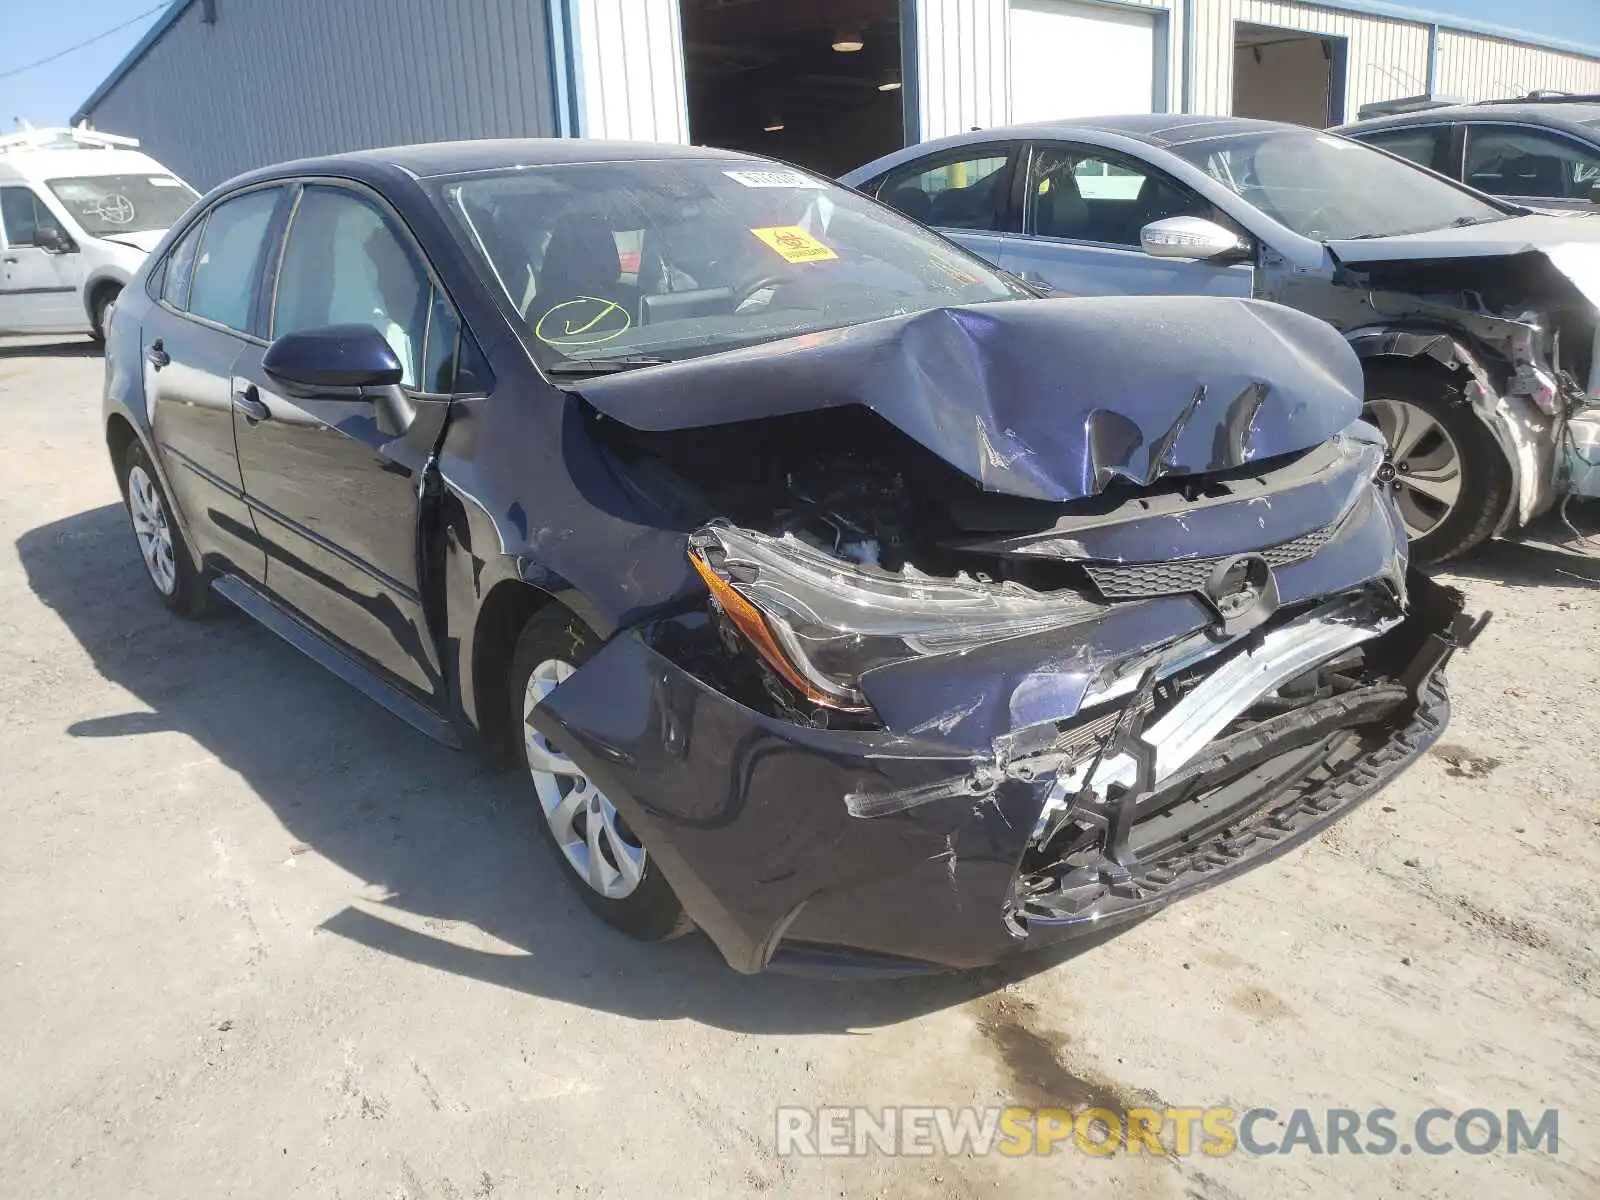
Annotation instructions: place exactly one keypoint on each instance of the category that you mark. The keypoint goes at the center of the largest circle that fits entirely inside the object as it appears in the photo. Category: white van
(79, 210)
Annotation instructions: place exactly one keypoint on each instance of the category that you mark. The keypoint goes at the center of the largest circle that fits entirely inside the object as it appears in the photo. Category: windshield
(111, 204)
(663, 259)
(1329, 188)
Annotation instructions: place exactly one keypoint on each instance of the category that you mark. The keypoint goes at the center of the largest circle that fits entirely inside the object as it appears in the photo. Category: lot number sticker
(774, 179)
(794, 244)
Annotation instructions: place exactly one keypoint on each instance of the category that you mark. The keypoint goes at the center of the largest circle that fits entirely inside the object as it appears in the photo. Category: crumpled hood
(1570, 240)
(1048, 399)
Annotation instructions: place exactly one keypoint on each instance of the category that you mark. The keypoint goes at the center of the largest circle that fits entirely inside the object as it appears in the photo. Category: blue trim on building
(151, 36)
(1422, 16)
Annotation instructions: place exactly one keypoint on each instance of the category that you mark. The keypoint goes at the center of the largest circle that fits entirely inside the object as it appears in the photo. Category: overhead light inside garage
(889, 80)
(848, 41)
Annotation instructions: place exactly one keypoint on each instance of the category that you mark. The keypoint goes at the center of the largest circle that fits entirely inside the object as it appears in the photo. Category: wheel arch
(120, 434)
(1514, 422)
(505, 609)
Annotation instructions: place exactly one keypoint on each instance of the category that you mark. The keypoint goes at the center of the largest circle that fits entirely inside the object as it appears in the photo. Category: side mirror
(336, 358)
(1190, 237)
(53, 241)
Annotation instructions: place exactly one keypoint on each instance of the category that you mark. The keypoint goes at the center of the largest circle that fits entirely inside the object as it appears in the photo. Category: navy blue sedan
(829, 590)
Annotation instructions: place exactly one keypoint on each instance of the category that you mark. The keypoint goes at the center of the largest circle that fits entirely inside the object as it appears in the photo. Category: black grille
(1132, 581)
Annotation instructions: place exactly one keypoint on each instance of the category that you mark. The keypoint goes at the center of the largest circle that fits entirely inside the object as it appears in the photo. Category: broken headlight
(821, 623)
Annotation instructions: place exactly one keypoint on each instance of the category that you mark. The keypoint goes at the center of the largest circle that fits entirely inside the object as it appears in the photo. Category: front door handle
(248, 401)
(10, 258)
(157, 354)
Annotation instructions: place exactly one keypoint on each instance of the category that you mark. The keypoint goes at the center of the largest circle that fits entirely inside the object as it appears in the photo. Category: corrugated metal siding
(1387, 59)
(962, 59)
(631, 69)
(1485, 68)
(281, 79)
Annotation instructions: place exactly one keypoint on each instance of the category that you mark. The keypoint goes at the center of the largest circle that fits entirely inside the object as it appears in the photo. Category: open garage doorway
(818, 83)
(1288, 75)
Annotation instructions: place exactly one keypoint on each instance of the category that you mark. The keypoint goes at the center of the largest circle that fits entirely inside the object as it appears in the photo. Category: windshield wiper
(583, 367)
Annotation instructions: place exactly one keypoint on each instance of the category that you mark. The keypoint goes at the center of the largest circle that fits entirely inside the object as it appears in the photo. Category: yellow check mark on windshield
(605, 312)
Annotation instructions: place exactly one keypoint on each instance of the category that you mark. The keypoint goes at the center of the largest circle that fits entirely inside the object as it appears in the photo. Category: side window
(1089, 195)
(180, 267)
(970, 192)
(223, 283)
(1421, 146)
(22, 216)
(1506, 160)
(344, 264)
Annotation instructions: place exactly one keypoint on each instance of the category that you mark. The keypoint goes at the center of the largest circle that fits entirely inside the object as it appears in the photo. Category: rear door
(1083, 210)
(334, 493)
(39, 289)
(1540, 168)
(966, 194)
(1426, 145)
(204, 320)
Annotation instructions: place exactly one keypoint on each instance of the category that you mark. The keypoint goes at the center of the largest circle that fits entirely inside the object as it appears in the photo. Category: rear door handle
(10, 258)
(248, 401)
(157, 354)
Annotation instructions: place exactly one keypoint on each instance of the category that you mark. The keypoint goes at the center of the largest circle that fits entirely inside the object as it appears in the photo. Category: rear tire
(600, 856)
(169, 564)
(1452, 479)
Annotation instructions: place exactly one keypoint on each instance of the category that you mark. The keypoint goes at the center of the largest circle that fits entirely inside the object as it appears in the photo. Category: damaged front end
(914, 718)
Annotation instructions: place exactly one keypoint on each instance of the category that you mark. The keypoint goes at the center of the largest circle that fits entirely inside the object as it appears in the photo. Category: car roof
(1157, 129)
(1579, 118)
(429, 159)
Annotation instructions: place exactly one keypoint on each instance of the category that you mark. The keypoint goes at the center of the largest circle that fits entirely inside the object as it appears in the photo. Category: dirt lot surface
(260, 939)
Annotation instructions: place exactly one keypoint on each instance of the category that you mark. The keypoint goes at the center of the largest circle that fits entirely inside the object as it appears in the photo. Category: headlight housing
(821, 623)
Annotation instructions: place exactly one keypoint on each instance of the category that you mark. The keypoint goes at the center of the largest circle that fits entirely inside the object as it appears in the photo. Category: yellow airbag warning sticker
(794, 244)
(585, 321)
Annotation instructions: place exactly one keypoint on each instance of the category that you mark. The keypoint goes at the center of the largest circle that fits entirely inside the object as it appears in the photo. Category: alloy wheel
(1427, 464)
(595, 839)
(153, 530)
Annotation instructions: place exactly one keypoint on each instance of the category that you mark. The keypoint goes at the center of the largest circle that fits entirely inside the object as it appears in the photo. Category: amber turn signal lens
(749, 621)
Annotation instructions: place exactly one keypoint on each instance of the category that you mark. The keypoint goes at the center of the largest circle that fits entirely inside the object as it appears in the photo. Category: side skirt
(320, 650)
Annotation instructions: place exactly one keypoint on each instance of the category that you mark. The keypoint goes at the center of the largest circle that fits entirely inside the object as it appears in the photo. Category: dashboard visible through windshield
(631, 263)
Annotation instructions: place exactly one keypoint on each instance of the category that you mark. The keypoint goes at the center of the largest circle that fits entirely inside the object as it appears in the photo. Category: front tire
(1451, 478)
(601, 857)
(100, 312)
(168, 562)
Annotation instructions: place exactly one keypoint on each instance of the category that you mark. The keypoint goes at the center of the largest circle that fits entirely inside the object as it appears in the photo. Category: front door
(332, 483)
(1083, 211)
(39, 288)
(1533, 167)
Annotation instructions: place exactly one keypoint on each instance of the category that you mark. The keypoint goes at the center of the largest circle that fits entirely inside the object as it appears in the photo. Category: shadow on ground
(41, 348)
(1548, 553)
(437, 834)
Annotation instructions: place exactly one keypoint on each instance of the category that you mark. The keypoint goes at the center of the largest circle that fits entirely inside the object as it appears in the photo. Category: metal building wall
(630, 57)
(1484, 68)
(280, 79)
(1387, 58)
(962, 58)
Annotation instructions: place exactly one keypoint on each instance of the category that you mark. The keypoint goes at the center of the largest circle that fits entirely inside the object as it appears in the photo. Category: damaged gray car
(1475, 320)
(830, 592)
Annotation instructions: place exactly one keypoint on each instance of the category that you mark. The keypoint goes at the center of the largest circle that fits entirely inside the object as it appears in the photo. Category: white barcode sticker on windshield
(164, 181)
(774, 179)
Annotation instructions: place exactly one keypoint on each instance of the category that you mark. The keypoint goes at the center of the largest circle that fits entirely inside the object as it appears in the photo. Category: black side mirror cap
(333, 359)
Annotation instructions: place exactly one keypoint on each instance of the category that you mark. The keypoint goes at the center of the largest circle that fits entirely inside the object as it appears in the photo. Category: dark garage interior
(817, 83)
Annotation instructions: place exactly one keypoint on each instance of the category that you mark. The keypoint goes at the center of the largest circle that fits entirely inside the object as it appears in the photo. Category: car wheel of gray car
(166, 557)
(100, 311)
(1452, 481)
(599, 853)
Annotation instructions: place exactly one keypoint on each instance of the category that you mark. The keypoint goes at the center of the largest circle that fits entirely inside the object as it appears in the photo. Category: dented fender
(1526, 435)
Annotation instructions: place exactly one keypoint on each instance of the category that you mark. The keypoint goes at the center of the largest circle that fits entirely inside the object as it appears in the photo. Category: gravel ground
(261, 939)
